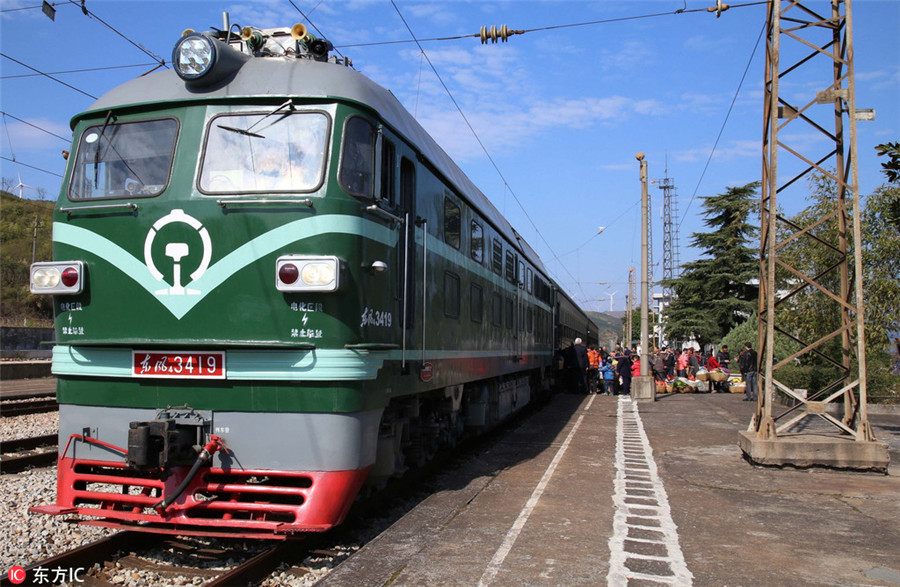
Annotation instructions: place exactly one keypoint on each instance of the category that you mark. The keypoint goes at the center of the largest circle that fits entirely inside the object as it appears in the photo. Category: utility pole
(34, 238)
(629, 308)
(643, 387)
(809, 39)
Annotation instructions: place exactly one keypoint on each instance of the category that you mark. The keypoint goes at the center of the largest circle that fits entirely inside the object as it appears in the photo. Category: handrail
(70, 211)
(264, 201)
(375, 209)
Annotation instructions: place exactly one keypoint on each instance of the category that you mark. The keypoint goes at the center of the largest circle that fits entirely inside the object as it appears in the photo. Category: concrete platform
(808, 450)
(566, 499)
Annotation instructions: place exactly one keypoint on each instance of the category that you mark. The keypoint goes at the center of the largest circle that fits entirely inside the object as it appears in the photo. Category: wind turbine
(21, 186)
(611, 299)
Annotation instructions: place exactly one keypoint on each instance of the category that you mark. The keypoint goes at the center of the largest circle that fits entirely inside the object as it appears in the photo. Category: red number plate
(178, 364)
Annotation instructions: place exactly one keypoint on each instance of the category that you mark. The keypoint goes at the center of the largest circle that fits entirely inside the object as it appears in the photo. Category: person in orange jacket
(593, 368)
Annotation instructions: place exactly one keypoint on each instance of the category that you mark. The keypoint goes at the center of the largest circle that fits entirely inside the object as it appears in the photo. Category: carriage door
(407, 251)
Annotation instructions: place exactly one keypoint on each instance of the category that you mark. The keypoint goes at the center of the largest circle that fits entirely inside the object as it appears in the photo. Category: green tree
(719, 290)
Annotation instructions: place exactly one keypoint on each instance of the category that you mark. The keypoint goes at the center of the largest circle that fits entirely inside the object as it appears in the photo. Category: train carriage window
(477, 242)
(452, 225)
(280, 154)
(476, 302)
(529, 280)
(497, 309)
(358, 157)
(124, 160)
(497, 256)
(451, 295)
(388, 163)
(510, 267)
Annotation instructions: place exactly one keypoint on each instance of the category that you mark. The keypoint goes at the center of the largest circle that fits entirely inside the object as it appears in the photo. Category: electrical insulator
(494, 34)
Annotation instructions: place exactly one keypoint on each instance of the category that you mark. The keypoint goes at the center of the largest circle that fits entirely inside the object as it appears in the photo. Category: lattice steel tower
(671, 262)
(801, 39)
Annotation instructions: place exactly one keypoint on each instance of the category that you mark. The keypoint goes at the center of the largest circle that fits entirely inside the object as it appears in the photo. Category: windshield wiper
(240, 131)
(288, 104)
(109, 116)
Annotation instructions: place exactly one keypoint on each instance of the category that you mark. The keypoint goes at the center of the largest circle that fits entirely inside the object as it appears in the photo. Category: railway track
(131, 552)
(32, 403)
(37, 451)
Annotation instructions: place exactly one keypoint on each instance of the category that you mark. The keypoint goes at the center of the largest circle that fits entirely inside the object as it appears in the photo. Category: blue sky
(561, 112)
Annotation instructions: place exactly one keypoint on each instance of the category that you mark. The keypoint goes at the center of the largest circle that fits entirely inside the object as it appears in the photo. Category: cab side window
(358, 157)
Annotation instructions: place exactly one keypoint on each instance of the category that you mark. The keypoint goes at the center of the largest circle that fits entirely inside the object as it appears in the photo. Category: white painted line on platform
(628, 427)
(494, 566)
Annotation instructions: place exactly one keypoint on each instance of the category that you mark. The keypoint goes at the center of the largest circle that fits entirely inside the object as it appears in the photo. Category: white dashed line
(640, 499)
(497, 561)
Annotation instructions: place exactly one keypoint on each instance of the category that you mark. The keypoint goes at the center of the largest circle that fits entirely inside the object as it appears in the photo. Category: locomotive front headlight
(193, 56)
(54, 277)
(295, 273)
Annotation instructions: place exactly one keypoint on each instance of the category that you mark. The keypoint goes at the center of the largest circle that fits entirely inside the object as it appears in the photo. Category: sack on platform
(702, 386)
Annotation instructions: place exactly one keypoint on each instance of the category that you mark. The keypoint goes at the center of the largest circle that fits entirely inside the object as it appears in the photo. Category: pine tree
(720, 290)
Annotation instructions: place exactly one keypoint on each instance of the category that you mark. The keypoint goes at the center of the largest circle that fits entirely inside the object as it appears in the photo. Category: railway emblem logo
(177, 251)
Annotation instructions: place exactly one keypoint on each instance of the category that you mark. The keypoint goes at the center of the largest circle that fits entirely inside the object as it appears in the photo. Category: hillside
(18, 307)
(610, 327)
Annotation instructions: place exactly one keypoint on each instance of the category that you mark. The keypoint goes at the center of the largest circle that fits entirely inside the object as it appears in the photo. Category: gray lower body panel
(255, 440)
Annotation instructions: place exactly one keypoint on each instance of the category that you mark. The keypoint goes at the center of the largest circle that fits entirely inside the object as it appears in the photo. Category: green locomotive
(270, 286)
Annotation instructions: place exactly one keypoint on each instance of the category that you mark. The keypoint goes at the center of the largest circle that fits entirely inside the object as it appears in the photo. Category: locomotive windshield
(123, 160)
(263, 153)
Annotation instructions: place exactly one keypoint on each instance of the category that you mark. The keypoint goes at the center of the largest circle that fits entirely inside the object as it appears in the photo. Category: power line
(29, 166)
(47, 75)
(89, 69)
(91, 14)
(724, 122)
(481, 144)
(67, 139)
(28, 7)
(555, 27)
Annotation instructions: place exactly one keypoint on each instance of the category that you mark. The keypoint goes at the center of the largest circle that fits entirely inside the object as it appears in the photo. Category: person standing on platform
(669, 362)
(624, 369)
(749, 361)
(724, 357)
(581, 359)
(593, 368)
(607, 374)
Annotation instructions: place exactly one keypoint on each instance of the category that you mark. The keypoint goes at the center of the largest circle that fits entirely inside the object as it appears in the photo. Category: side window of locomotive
(477, 242)
(388, 166)
(497, 256)
(451, 295)
(476, 300)
(451, 223)
(123, 160)
(529, 280)
(358, 157)
(247, 153)
(510, 267)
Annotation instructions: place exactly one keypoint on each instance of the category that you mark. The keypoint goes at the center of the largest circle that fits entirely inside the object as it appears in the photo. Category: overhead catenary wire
(722, 128)
(17, 162)
(47, 75)
(555, 27)
(7, 114)
(481, 144)
(85, 70)
(91, 14)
